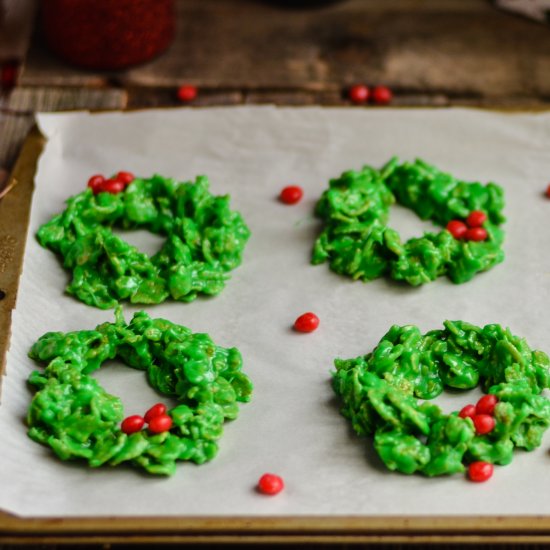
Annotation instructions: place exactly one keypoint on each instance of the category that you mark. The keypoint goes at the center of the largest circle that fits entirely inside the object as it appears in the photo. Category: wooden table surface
(431, 53)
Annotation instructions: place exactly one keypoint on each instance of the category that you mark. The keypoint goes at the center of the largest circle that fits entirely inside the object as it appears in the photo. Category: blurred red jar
(108, 34)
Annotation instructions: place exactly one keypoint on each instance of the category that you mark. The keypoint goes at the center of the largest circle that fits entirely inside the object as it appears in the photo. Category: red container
(108, 34)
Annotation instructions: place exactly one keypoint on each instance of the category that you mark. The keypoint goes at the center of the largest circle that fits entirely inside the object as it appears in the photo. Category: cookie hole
(131, 386)
(408, 224)
(143, 240)
(452, 400)
(2, 294)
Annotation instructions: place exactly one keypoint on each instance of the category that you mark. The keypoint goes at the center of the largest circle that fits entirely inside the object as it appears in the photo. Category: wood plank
(17, 115)
(48, 99)
(14, 215)
(276, 529)
(461, 48)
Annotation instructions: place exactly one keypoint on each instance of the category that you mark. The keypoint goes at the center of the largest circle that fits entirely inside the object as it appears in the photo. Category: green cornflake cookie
(381, 394)
(357, 242)
(78, 419)
(205, 240)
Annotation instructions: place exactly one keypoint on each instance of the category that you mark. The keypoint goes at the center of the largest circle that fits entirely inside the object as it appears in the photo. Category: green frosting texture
(205, 239)
(380, 395)
(357, 242)
(78, 419)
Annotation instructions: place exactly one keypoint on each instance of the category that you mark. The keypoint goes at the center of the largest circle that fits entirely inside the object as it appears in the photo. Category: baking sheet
(292, 426)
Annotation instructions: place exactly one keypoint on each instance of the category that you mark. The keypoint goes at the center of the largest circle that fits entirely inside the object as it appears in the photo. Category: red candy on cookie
(112, 186)
(95, 183)
(476, 218)
(125, 177)
(476, 234)
(486, 404)
(457, 229)
(483, 423)
(468, 411)
(160, 423)
(132, 424)
(472, 229)
(155, 410)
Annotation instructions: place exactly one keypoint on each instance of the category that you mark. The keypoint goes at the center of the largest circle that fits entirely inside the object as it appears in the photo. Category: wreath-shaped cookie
(205, 239)
(379, 394)
(78, 419)
(357, 242)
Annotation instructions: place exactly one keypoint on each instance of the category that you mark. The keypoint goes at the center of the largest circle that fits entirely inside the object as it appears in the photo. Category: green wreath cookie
(73, 414)
(380, 395)
(204, 241)
(357, 242)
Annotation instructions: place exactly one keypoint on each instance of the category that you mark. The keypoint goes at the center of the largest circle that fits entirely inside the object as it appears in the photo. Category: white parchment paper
(292, 426)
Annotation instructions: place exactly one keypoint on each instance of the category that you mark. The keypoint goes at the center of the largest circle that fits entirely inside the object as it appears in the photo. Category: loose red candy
(125, 177)
(480, 471)
(359, 93)
(476, 234)
(155, 410)
(187, 93)
(457, 229)
(307, 322)
(381, 95)
(132, 424)
(483, 423)
(468, 411)
(486, 404)
(548, 191)
(95, 183)
(160, 423)
(270, 484)
(476, 218)
(291, 194)
(112, 186)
